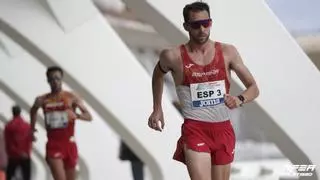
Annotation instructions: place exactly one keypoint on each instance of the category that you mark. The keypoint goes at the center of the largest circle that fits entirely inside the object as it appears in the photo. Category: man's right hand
(156, 120)
(34, 138)
(71, 114)
(32, 134)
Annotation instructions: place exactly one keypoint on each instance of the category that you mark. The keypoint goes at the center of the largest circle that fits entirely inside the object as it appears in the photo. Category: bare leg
(71, 174)
(198, 164)
(220, 172)
(57, 168)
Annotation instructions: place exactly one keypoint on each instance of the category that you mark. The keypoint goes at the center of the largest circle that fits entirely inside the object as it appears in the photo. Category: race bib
(208, 93)
(57, 119)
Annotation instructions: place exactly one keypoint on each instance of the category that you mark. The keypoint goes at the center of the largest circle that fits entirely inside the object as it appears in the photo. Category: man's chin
(202, 41)
(55, 89)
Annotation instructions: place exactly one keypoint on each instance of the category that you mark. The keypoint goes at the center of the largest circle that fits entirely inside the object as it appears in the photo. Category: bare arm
(33, 112)
(160, 70)
(85, 114)
(244, 75)
(156, 120)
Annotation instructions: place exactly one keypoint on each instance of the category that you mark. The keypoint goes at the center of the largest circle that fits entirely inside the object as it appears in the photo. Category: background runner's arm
(85, 114)
(245, 76)
(33, 112)
(159, 72)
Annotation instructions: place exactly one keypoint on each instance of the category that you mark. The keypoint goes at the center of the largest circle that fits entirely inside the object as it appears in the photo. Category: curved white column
(100, 67)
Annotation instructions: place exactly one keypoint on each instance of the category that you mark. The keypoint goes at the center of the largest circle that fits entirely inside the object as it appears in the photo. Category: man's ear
(185, 26)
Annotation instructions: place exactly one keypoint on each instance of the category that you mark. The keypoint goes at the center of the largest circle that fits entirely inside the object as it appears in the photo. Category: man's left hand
(231, 101)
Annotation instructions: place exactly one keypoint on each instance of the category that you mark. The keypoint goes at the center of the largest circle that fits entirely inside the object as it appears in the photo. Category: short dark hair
(53, 69)
(194, 7)
(16, 110)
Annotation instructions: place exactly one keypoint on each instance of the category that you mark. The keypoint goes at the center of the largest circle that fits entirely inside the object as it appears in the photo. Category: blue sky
(299, 16)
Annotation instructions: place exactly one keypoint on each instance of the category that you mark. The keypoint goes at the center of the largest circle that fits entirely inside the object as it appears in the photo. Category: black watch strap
(241, 98)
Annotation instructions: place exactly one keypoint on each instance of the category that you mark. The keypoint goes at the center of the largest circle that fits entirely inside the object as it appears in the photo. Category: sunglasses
(197, 24)
(51, 79)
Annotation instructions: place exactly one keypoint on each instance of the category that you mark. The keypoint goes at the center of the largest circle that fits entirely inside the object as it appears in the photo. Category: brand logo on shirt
(57, 155)
(189, 66)
(55, 104)
(200, 144)
(208, 73)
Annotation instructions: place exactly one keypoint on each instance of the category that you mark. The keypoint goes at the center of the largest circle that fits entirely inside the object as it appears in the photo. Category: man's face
(55, 80)
(199, 26)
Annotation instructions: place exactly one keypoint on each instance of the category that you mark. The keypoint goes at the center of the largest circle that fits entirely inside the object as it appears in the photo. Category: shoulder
(170, 58)
(41, 98)
(13, 124)
(229, 51)
(8, 125)
(71, 95)
(170, 54)
(68, 94)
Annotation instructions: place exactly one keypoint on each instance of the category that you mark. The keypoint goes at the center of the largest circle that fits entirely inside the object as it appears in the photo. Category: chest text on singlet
(207, 93)
(56, 117)
(203, 89)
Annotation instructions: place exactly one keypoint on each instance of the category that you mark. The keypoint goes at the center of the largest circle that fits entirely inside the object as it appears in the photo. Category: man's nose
(202, 28)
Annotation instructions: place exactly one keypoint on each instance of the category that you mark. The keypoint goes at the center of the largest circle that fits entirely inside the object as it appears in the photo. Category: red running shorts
(217, 138)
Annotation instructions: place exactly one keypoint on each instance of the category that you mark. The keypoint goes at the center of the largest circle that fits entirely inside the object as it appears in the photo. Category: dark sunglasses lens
(54, 79)
(206, 24)
(198, 24)
(195, 25)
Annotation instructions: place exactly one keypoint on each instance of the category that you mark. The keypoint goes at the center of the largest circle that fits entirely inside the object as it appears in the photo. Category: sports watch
(241, 98)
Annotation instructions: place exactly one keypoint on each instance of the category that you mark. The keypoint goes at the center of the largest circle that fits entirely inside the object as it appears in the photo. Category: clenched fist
(156, 120)
(231, 101)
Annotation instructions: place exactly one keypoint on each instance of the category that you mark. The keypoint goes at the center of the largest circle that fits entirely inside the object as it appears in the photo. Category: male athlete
(201, 71)
(59, 108)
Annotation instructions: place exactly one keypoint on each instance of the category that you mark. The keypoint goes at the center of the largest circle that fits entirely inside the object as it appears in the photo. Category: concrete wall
(98, 66)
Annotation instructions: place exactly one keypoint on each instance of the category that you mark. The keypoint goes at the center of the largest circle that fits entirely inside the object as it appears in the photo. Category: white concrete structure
(102, 70)
(22, 89)
(98, 65)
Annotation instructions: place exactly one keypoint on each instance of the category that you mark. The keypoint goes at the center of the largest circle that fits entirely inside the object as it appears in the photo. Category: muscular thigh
(198, 164)
(220, 172)
(71, 174)
(57, 168)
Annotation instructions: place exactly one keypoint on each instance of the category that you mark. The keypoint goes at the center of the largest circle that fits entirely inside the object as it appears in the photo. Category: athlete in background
(59, 108)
